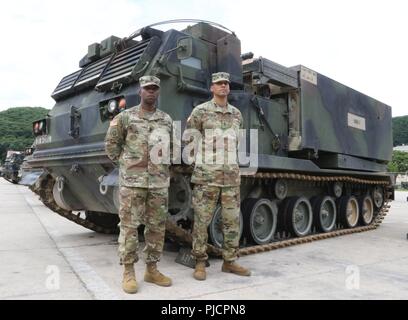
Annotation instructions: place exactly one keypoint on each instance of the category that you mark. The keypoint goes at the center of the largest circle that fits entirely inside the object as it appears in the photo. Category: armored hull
(315, 151)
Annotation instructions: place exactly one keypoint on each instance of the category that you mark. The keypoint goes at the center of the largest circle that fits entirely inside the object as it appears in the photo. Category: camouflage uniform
(216, 180)
(142, 206)
(143, 183)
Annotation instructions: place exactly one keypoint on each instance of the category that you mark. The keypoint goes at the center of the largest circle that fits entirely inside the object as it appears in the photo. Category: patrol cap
(220, 76)
(149, 81)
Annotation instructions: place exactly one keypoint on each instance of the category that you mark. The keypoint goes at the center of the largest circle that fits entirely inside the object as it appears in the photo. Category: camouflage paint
(185, 83)
(325, 126)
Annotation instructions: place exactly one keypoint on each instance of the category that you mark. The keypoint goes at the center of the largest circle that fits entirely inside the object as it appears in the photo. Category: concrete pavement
(44, 256)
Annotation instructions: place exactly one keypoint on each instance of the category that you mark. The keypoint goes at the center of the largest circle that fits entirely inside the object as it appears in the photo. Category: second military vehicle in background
(11, 166)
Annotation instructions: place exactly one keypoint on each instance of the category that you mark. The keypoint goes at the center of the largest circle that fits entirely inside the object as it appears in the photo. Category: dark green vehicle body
(306, 122)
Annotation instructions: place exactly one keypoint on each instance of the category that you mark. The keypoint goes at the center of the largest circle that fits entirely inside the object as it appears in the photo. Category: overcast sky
(363, 44)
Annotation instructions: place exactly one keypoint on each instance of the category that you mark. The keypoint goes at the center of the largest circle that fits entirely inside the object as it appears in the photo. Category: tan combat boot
(129, 283)
(154, 276)
(233, 267)
(199, 273)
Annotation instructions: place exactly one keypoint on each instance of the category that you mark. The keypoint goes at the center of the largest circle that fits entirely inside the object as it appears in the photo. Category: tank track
(44, 185)
(13, 181)
(184, 237)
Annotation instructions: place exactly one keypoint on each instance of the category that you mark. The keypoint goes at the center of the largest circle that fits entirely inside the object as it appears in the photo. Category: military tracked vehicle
(11, 166)
(321, 152)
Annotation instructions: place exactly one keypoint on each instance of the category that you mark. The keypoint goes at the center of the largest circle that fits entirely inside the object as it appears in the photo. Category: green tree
(400, 130)
(16, 128)
(399, 162)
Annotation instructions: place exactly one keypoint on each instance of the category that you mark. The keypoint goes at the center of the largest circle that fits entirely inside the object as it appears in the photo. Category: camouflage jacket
(214, 122)
(132, 139)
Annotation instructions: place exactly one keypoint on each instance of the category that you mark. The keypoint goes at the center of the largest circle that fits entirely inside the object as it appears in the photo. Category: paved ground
(44, 256)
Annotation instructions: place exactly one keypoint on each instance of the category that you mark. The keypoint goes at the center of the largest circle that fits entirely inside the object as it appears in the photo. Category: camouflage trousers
(142, 206)
(205, 199)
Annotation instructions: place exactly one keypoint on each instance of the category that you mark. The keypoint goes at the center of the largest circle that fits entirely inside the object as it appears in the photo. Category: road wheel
(298, 216)
(348, 209)
(260, 219)
(378, 196)
(366, 210)
(324, 213)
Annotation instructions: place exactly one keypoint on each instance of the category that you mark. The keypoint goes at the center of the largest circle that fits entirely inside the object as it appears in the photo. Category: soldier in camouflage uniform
(143, 181)
(214, 179)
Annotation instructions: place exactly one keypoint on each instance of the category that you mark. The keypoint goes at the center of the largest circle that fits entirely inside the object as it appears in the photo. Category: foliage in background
(399, 162)
(400, 130)
(16, 128)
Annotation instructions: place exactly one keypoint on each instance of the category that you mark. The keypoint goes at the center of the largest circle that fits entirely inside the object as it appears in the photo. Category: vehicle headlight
(112, 106)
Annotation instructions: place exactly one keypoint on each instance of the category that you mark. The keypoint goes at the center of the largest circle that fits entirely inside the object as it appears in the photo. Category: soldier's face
(221, 88)
(149, 94)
